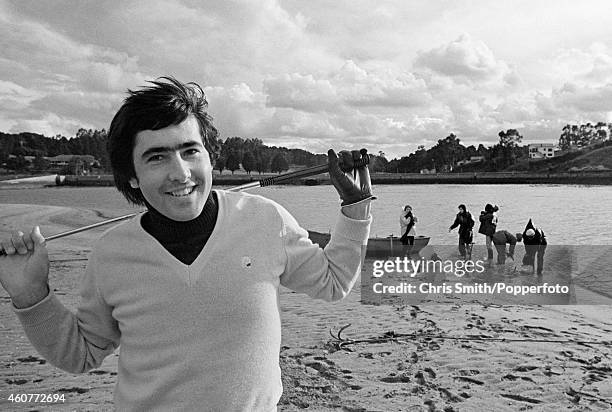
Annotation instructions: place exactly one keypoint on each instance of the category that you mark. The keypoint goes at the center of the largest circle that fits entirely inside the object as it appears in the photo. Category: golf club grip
(311, 171)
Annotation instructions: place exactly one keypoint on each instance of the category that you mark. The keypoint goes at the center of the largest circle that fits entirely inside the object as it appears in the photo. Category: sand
(386, 360)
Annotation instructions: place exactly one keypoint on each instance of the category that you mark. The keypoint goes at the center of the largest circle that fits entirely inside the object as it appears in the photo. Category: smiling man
(189, 290)
(174, 170)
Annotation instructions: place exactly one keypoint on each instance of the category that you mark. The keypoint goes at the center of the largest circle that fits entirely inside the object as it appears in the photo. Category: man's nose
(180, 170)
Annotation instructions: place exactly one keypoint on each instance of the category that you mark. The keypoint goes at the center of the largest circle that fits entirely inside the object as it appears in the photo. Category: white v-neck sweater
(204, 336)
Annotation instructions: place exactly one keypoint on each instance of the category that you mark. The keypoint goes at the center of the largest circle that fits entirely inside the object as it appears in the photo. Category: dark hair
(167, 102)
(462, 206)
(489, 208)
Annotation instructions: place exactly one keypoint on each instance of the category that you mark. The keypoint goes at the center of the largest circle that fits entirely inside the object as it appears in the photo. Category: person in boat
(465, 221)
(190, 299)
(500, 239)
(488, 226)
(407, 222)
(535, 243)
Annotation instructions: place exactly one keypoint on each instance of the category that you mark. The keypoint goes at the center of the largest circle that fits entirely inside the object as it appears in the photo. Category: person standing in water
(407, 222)
(465, 221)
(488, 226)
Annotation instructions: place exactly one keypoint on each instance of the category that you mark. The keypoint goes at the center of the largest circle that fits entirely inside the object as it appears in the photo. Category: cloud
(464, 59)
(590, 100)
(319, 74)
(581, 88)
(301, 92)
(348, 86)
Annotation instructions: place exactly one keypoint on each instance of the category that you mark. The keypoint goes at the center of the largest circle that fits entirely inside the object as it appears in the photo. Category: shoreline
(578, 177)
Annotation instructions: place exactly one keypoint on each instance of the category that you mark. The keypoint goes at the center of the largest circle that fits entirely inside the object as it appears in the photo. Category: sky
(344, 74)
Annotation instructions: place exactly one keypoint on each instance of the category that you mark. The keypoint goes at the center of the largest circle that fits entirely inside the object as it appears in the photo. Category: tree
(40, 163)
(232, 162)
(565, 140)
(262, 159)
(248, 162)
(279, 163)
(378, 163)
(17, 163)
(220, 164)
(508, 144)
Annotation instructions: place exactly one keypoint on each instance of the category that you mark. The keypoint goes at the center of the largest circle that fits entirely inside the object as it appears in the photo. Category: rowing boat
(378, 246)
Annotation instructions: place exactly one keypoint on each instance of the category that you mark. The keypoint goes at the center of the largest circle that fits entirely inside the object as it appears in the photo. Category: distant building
(63, 160)
(542, 150)
(472, 159)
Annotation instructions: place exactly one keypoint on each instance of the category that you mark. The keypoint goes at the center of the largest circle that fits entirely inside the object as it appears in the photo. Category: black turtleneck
(184, 240)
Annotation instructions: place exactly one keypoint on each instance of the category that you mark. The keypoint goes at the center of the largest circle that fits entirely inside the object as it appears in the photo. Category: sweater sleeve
(455, 223)
(72, 342)
(329, 273)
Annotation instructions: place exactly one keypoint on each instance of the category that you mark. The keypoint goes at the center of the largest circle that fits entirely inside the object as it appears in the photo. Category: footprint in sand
(525, 368)
(430, 372)
(510, 377)
(74, 389)
(468, 379)
(403, 378)
(32, 359)
(16, 381)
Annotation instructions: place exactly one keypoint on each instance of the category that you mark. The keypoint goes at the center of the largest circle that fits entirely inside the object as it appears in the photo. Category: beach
(390, 358)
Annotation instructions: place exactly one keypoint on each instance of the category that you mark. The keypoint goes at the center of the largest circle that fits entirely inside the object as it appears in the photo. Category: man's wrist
(31, 297)
(357, 211)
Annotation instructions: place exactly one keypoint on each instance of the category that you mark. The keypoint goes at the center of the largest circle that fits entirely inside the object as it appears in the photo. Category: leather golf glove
(352, 187)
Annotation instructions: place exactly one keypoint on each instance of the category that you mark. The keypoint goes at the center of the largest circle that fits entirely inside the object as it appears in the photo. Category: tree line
(252, 155)
(446, 154)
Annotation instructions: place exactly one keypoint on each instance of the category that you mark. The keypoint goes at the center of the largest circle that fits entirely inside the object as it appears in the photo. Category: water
(569, 214)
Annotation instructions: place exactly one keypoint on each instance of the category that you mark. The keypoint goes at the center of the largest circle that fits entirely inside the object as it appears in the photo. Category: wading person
(488, 226)
(500, 239)
(407, 221)
(535, 245)
(191, 301)
(465, 222)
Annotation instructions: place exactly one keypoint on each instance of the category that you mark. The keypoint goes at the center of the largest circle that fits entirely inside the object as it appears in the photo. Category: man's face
(173, 169)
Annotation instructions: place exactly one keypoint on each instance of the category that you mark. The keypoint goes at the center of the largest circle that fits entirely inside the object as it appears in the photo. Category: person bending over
(500, 239)
(535, 243)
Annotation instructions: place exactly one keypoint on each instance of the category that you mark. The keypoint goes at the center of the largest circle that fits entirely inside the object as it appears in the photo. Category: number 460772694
(36, 397)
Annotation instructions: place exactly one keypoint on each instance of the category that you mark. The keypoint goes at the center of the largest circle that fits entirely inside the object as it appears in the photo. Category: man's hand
(351, 188)
(24, 271)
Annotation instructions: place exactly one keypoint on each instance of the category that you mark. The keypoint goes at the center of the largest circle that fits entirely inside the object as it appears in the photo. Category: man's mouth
(186, 191)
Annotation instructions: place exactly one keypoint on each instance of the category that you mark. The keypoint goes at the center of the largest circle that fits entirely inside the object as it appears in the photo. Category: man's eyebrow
(166, 149)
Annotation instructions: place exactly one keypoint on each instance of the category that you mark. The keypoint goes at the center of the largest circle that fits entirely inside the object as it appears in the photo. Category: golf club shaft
(309, 171)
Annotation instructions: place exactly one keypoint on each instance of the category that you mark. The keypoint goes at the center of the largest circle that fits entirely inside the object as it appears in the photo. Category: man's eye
(155, 158)
(191, 152)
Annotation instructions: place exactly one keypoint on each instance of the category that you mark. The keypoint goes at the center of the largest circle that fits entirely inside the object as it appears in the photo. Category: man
(465, 222)
(500, 239)
(488, 226)
(535, 244)
(190, 299)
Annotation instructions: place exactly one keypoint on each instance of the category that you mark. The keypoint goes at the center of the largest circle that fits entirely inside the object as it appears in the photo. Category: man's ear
(134, 183)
